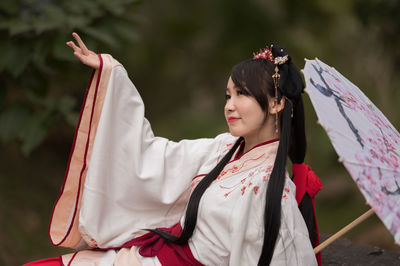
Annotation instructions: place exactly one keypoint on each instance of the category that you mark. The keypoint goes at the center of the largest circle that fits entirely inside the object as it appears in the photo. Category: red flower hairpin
(265, 53)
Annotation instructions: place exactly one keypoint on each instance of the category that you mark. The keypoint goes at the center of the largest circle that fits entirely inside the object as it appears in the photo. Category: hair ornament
(280, 60)
(265, 53)
(286, 78)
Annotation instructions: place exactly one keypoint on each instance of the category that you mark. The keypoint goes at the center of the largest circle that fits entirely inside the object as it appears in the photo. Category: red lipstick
(232, 119)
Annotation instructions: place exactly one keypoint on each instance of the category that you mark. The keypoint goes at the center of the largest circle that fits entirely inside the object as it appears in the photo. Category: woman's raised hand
(86, 56)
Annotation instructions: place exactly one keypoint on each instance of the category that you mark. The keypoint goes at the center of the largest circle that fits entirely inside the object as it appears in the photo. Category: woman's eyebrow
(230, 89)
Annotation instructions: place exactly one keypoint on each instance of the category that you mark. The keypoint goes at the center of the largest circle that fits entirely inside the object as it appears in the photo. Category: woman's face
(243, 113)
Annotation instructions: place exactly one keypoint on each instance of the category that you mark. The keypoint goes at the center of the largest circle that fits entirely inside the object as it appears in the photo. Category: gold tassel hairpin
(276, 76)
(266, 54)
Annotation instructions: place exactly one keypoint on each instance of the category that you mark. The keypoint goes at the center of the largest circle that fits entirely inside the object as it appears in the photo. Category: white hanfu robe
(122, 179)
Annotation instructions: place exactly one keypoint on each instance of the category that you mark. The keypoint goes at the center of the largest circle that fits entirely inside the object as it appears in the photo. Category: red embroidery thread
(247, 182)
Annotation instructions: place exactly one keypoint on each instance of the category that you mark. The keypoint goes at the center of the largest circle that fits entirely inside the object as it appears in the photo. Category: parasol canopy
(367, 143)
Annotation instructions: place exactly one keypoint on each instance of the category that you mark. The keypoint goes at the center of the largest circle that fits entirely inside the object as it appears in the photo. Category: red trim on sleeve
(73, 257)
(72, 151)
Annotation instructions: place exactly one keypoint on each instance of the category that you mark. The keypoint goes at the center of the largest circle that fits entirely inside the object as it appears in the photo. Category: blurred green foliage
(35, 57)
(179, 54)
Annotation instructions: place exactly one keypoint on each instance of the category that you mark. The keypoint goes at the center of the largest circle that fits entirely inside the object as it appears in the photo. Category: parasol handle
(343, 231)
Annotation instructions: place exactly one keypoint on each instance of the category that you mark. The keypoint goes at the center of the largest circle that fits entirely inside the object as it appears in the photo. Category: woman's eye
(227, 96)
(241, 92)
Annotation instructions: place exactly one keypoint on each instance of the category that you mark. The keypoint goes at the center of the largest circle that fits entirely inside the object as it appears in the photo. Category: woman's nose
(229, 105)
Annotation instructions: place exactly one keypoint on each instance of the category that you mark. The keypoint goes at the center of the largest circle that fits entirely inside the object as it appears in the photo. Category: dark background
(179, 55)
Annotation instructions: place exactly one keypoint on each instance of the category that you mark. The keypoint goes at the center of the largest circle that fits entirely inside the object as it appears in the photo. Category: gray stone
(344, 252)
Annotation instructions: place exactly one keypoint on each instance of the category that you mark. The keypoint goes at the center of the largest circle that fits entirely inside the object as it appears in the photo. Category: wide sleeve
(293, 246)
(121, 178)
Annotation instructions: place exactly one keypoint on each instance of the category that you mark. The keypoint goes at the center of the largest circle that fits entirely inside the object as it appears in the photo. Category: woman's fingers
(83, 47)
(80, 57)
(86, 56)
(73, 46)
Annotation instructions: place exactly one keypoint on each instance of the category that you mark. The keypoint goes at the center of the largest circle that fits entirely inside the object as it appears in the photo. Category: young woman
(130, 198)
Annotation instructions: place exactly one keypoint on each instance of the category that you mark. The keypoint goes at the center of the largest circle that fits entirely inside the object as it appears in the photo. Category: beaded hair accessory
(266, 54)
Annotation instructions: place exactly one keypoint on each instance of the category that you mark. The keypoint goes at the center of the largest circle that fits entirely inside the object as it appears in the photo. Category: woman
(130, 198)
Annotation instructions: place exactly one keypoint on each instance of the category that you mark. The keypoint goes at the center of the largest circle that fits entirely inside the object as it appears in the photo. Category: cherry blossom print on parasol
(367, 143)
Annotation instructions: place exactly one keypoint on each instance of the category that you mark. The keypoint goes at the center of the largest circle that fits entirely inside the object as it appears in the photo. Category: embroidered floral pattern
(89, 240)
(286, 191)
(195, 182)
(255, 189)
(236, 166)
(224, 150)
(247, 184)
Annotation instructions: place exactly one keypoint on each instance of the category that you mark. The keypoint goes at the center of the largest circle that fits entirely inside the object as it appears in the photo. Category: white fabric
(137, 181)
(108, 258)
(229, 229)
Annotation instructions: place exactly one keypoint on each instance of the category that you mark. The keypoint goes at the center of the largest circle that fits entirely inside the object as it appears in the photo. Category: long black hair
(254, 76)
(194, 200)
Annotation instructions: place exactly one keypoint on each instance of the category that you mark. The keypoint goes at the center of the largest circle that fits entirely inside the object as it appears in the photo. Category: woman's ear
(274, 107)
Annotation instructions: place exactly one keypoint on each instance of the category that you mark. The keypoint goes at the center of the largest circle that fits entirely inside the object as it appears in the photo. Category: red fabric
(307, 181)
(168, 254)
(46, 262)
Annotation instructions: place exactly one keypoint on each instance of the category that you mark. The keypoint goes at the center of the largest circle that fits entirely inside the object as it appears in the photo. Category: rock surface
(344, 252)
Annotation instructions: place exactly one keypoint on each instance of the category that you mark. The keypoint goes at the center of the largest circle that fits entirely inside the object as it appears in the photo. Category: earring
(276, 118)
(276, 77)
